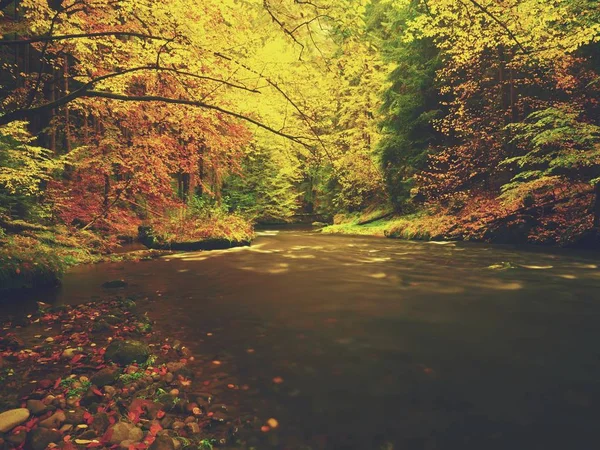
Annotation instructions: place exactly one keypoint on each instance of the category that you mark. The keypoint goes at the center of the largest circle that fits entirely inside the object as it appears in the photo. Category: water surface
(366, 343)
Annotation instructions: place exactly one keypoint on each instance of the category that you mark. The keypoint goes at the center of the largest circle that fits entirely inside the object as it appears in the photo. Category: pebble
(123, 431)
(110, 391)
(17, 439)
(40, 438)
(48, 400)
(12, 418)
(66, 428)
(54, 421)
(37, 407)
(178, 425)
(162, 442)
(193, 428)
(68, 353)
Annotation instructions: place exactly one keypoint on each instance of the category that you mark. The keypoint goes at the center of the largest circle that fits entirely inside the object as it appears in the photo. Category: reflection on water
(387, 344)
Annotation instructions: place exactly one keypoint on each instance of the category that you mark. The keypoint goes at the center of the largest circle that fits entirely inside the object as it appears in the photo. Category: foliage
(411, 102)
(23, 168)
(264, 189)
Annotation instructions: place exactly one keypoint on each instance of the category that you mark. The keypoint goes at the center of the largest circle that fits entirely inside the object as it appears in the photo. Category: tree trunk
(67, 118)
(597, 208)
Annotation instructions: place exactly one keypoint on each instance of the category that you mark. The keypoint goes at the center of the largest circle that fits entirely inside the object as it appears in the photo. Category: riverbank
(97, 375)
(36, 256)
(486, 220)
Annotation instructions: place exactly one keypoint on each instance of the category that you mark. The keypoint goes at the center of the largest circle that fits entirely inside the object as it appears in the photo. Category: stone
(125, 352)
(113, 320)
(12, 418)
(75, 417)
(219, 416)
(40, 438)
(109, 391)
(17, 438)
(49, 399)
(175, 367)
(100, 423)
(193, 427)
(37, 407)
(167, 422)
(177, 425)
(88, 434)
(73, 401)
(66, 428)
(99, 326)
(115, 284)
(124, 431)
(162, 442)
(54, 421)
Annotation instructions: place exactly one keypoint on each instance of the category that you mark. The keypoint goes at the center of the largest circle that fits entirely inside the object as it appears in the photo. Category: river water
(369, 343)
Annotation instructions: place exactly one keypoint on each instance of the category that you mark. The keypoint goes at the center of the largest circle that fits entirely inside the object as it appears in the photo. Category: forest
(194, 201)
(185, 122)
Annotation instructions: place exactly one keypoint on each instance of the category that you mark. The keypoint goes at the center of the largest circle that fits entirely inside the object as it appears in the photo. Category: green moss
(419, 226)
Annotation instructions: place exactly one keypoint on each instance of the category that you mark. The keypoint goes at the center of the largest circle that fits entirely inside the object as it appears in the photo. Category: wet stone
(123, 431)
(40, 438)
(17, 439)
(127, 351)
(37, 407)
(54, 421)
(162, 442)
(100, 423)
(193, 428)
(114, 284)
(12, 418)
(75, 417)
(106, 376)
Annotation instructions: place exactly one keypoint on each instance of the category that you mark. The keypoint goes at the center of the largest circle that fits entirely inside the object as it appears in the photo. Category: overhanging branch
(64, 37)
(155, 98)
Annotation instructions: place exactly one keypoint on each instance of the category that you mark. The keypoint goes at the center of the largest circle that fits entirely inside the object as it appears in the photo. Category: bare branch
(154, 98)
(502, 25)
(64, 37)
(283, 27)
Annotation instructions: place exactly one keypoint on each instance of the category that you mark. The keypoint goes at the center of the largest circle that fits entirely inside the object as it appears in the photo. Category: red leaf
(97, 392)
(76, 358)
(155, 428)
(134, 416)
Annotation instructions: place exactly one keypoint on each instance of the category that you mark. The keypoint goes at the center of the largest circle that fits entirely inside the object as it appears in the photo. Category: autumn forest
(134, 130)
(460, 120)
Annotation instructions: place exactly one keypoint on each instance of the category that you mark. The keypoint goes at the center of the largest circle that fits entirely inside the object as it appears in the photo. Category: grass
(419, 226)
(75, 387)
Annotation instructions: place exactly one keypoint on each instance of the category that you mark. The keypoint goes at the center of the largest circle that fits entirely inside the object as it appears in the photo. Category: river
(368, 343)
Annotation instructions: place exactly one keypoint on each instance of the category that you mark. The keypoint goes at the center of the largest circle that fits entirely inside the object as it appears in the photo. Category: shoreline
(444, 228)
(98, 375)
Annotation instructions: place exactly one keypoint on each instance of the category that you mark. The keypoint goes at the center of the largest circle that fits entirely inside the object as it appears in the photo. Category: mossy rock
(127, 351)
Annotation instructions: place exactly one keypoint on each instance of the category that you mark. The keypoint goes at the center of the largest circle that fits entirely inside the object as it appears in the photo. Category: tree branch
(64, 37)
(154, 98)
(502, 25)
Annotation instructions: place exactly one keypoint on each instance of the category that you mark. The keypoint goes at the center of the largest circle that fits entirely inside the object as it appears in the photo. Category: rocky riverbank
(97, 375)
